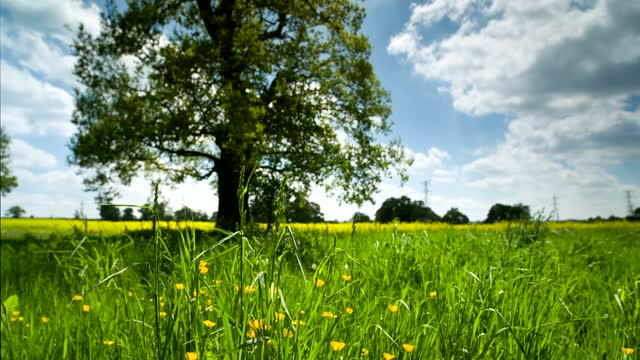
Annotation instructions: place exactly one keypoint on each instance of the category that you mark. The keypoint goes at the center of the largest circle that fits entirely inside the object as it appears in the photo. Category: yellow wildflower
(337, 346)
(162, 304)
(216, 282)
(388, 356)
(349, 310)
(180, 286)
(297, 322)
(270, 343)
(346, 277)
(44, 319)
(20, 318)
(280, 316)
(13, 318)
(329, 314)
(249, 289)
(86, 308)
(162, 314)
(287, 333)
(364, 352)
(209, 324)
(433, 294)
(130, 293)
(408, 347)
(203, 267)
(77, 298)
(251, 334)
(628, 351)
(259, 324)
(393, 308)
(15, 313)
(191, 356)
(320, 282)
(107, 342)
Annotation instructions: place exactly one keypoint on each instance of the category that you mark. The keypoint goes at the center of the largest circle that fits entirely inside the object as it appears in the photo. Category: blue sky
(497, 101)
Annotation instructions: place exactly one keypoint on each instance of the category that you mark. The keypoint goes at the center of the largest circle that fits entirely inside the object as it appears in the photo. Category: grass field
(507, 291)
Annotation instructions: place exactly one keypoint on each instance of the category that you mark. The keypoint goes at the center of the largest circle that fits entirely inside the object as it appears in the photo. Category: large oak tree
(203, 89)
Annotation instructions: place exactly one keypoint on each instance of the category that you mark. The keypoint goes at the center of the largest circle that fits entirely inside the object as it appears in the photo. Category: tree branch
(277, 33)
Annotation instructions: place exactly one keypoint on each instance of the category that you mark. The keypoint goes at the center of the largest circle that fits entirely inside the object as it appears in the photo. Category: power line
(556, 213)
(426, 193)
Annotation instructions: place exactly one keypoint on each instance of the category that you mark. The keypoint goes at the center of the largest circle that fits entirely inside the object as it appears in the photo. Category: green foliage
(127, 214)
(215, 87)
(301, 210)
(405, 210)
(460, 295)
(7, 181)
(15, 212)
(500, 212)
(359, 217)
(455, 216)
(187, 213)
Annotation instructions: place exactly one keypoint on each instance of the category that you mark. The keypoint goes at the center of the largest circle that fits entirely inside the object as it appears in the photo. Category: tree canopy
(360, 217)
(406, 210)
(203, 89)
(7, 181)
(455, 216)
(15, 212)
(500, 212)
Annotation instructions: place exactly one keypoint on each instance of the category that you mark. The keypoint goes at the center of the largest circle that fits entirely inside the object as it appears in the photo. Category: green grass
(572, 294)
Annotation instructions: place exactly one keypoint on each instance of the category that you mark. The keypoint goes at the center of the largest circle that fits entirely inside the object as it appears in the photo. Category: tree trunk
(229, 170)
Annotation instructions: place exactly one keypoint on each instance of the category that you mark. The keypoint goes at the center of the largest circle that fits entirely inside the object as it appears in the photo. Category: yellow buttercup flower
(259, 324)
(179, 286)
(77, 298)
(408, 347)
(209, 324)
(216, 281)
(393, 308)
(130, 293)
(203, 267)
(191, 356)
(20, 318)
(249, 289)
(329, 314)
(337, 346)
(15, 313)
(86, 308)
(162, 314)
(108, 342)
(628, 351)
(13, 318)
(280, 316)
(251, 334)
(287, 333)
(270, 343)
(349, 310)
(364, 352)
(433, 294)
(44, 319)
(388, 356)
(297, 322)
(346, 277)
(320, 282)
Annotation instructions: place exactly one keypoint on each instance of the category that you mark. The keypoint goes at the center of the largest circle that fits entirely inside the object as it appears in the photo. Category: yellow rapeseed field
(15, 228)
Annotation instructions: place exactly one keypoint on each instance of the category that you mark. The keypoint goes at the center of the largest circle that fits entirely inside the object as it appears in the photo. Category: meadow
(97, 290)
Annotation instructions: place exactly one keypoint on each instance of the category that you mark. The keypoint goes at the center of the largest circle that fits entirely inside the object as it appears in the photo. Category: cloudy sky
(497, 101)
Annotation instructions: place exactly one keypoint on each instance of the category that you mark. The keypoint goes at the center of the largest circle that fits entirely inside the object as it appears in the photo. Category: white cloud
(428, 161)
(33, 106)
(58, 18)
(25, 155)
(560, 70)
(34, 51)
